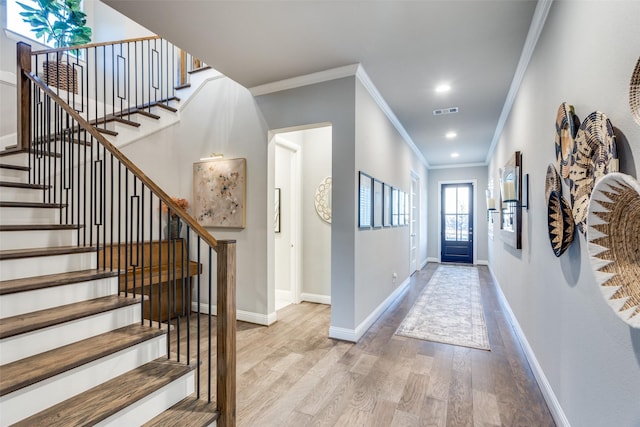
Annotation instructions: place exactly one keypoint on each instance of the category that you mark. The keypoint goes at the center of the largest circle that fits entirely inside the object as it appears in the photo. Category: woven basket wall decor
(552, 182)
(61, 75)
(561, 225)
(567, 124)
(634, 93)
(614, 243)
(594, 155)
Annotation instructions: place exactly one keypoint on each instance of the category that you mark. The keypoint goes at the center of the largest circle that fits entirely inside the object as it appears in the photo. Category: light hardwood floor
(291, 374)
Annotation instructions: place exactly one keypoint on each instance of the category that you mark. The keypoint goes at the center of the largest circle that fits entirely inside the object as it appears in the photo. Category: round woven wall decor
(614, 243)
(634, 93)
(552, 182)
(561, 225)
(567, 124)
(322, 200)
(594, 155)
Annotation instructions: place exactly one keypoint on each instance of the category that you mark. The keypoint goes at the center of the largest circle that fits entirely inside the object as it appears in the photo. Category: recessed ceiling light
(442, 88)
(451, 135)
(454, 155)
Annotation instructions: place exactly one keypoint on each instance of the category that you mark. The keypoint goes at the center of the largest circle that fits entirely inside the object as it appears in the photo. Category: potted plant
(174, 225)
(64, 23)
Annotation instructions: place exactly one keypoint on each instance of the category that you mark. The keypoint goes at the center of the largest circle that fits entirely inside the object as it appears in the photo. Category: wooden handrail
(159, 192)
(92, 45)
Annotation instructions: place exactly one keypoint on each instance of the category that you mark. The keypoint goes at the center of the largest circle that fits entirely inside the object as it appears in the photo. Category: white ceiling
(405, 47)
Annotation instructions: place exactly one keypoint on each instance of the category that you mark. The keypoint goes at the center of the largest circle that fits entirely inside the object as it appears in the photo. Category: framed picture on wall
(386, 201)
(377, 204)
(401, 196)
(394, 207)
(365, 200)
(219, 193)
(276, 210)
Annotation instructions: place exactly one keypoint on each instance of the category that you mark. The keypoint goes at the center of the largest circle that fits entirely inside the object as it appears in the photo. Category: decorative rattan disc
(634, 93)
(322, 200)
(553, 182)
(561, 225)
(594, 155)
(567, 124)
(614, 243)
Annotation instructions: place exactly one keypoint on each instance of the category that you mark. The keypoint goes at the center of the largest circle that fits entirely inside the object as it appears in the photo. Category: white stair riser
(13, 175)
(39, 266)
(29, 344)
(42, 299)
(25, 239)
(12, 194)
(23, 216)
(17, 159)
(37, 397)
(154, 404)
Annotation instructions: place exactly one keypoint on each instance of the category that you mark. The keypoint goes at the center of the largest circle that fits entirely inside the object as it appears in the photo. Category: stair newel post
(24, 66)
(226, 333)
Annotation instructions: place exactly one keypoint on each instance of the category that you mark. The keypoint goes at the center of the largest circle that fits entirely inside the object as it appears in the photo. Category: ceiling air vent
(442, 111)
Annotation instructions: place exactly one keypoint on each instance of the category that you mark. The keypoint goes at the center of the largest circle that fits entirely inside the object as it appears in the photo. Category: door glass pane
(450, 227)
(450, 200)
(463, 228)
(463, 200)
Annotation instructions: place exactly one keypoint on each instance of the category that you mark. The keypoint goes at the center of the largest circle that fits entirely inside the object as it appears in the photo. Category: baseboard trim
(482, 262)
(424, 263)
(431, 259)
(316, 298)
(547, 392)
(353, 335)
(244, 316)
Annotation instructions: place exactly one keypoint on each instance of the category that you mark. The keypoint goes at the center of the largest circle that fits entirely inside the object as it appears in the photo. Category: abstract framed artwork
(365, 200)
(219, 193)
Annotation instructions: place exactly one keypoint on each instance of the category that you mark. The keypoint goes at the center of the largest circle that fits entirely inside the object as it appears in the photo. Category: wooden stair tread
(184, 86)
(23, 185)
(52, 280)
(28, 322)
(49, 251)
(167, 107)
(38, 227)
(105, 400)
(190, 412)
(197, 70)
(14, 167)
(106, 131)
(28, 371)
(146, 114)
(32, 205)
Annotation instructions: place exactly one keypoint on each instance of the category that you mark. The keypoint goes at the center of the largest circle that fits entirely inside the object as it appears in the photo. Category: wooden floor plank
(292, 374)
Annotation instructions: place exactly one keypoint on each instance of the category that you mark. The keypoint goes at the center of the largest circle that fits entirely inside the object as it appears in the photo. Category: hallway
(290, 374)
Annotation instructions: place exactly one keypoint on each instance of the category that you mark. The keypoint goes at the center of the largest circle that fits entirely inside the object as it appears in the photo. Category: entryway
(456, 222)
(300, 217)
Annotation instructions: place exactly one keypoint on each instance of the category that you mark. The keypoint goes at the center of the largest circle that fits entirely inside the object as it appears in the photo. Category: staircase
(76, 347)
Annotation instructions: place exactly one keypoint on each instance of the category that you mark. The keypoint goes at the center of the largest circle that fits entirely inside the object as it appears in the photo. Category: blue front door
(457, 223)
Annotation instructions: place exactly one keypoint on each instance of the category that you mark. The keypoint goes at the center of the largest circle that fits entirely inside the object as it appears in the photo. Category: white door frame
(475, 215)
(296, 216)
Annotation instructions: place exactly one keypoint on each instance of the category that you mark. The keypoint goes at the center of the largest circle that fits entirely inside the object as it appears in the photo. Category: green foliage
(60, 21)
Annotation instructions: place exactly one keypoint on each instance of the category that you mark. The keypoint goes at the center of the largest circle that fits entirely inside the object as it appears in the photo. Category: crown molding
(305, 80)
(456, 166)
(535, 29)
(361, 74)
(337, 73)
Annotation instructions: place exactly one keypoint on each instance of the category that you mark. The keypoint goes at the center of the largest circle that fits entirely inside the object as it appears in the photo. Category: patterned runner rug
(449, 310)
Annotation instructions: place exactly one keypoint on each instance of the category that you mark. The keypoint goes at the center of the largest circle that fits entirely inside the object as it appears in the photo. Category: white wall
(478, 173)
(222, 118)
(382, 153)
(591, 359)
(316, 244)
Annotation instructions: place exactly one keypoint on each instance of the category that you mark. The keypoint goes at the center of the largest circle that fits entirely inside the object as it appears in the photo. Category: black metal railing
(110, 82)
(135, 227)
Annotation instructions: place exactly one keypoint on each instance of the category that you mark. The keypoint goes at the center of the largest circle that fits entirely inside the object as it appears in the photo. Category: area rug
(449, 310)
